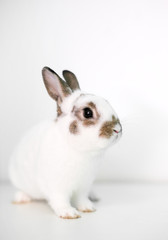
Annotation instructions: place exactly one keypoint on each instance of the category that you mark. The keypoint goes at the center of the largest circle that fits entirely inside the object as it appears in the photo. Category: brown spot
(73, 128)
(106, 130)
(79, 114)
(70, 217)
(92, 105)
(115, 120)
(88, 122)
(59, 111)
(87, 210)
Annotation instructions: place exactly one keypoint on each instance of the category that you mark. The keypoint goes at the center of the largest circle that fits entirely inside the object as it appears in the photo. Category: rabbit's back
(23, 170)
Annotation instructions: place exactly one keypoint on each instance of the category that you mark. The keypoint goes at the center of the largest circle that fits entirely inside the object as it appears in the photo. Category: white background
(117, 49)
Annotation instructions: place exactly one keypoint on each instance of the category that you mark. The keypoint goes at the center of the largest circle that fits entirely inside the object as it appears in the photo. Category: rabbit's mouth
(118, 136)
(110, 136)
(118, 132)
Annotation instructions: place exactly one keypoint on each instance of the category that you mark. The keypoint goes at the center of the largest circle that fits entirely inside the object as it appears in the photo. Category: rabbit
(58, 159)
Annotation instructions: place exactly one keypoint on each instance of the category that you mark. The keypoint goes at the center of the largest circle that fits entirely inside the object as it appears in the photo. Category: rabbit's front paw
(86, 206)
(68, 213)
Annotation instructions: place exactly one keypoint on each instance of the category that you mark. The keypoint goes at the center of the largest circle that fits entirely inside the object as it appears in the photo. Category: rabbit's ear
(57, 88)
(71, 80)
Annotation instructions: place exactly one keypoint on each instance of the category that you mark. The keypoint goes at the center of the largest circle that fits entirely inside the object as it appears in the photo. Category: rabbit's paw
(21, 197)
(86, 206)
(68, 213)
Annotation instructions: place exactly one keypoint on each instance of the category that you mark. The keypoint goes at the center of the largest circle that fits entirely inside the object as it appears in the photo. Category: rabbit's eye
(87, 113)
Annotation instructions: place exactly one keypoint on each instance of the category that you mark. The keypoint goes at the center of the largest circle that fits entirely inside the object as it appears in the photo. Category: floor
(124, 212)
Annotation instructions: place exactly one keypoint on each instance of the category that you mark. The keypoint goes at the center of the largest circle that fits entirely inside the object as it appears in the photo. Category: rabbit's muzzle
(111, 128)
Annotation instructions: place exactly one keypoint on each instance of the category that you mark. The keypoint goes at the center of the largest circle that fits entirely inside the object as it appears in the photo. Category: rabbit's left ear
(57, 88)
(71, 80)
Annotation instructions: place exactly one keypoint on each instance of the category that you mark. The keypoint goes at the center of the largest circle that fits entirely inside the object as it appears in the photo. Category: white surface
(118, 49)
(125, 211)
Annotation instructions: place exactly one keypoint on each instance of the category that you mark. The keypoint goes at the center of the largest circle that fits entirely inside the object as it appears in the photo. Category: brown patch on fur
(70, 217)
(59, 111)
(115, 120)
(107, 129)
(87, 122)
(92, 105)
(73, 128)
(87, 210)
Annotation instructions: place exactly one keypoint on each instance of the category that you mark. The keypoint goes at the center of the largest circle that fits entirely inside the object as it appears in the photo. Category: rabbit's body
(36, 163)
(58, 160)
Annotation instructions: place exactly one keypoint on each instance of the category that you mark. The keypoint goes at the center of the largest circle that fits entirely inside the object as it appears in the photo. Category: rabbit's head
(90, 121)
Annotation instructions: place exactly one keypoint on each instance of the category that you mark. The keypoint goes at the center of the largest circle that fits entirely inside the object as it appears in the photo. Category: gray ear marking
(71, 80)
(57, 88)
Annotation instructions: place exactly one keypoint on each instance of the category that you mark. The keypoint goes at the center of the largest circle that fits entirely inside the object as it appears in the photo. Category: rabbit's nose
(118, 128)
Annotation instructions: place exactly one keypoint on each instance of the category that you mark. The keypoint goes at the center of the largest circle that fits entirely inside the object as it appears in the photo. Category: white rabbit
(58, 160)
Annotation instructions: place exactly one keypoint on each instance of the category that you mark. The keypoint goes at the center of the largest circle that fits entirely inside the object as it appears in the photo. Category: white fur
(53, 164)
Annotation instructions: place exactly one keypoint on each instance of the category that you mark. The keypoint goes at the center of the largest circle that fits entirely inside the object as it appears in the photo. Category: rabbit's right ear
(71, 79)
(57, 88)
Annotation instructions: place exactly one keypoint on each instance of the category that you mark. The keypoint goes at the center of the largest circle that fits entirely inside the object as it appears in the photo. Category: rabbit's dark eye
(87, 113)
